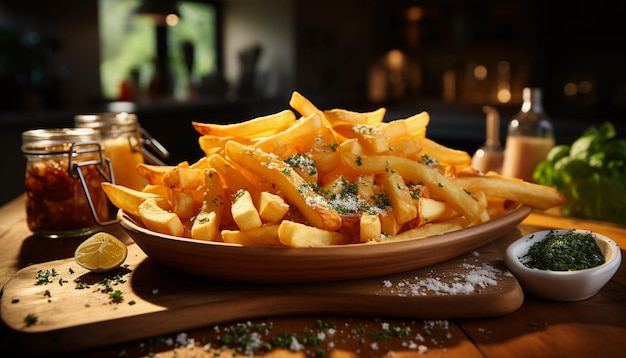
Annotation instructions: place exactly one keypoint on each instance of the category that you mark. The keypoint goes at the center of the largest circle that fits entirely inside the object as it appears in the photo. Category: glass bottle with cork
(530, 136)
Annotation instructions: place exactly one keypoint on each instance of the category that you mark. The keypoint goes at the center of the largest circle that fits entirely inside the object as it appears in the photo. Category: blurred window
(128, 46)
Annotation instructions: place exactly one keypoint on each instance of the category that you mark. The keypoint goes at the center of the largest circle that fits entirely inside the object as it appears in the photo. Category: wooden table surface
(595, 327)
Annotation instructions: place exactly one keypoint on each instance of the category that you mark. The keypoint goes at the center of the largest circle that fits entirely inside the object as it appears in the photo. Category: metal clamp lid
(102, 164)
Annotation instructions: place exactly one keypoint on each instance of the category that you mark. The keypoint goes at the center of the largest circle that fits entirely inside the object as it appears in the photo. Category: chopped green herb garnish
(570, 251)
(30, 319)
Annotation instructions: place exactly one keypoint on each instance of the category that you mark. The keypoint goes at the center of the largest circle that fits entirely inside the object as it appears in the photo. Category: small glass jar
(123, 141)
(120, 136)
(64, 169)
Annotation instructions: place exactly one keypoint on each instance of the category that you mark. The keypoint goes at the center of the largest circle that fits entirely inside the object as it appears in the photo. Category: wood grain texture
(166, 300)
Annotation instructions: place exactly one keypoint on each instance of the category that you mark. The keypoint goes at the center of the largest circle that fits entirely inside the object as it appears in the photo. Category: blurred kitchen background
(173, 62)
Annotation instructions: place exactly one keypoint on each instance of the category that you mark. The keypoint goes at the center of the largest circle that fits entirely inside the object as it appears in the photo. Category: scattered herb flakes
(30, 319)
(116, 296)
(45, 277)
(318, 340)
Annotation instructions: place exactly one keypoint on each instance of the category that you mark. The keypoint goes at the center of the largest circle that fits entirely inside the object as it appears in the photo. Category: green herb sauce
(564, 252)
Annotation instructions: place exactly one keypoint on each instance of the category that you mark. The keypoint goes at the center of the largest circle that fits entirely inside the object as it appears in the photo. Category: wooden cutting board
(157, 300)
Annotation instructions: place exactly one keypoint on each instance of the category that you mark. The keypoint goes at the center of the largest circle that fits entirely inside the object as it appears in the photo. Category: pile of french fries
(327, 177)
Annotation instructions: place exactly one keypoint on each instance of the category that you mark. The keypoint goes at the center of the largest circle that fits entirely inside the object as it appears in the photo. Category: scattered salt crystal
(295, 345)
(181, 339)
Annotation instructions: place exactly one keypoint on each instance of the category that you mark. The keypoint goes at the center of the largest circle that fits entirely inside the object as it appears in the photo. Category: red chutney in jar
(56, 204)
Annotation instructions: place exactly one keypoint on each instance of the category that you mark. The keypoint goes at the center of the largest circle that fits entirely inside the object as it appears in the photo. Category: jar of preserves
(123, 139)
(64, 169)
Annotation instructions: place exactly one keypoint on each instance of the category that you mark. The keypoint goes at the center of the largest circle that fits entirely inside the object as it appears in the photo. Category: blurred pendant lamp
(164, 14)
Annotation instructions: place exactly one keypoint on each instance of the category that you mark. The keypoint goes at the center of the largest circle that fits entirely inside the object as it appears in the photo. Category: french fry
(157, 219)
(370, 136)
(300, 193)
(417, 123)
(214, 143)
(254, 128)
(232, 177)
(206, 225)
(295, 234)
(369, 227)
(339, 116)
(184, 204)
(296, 139)
(302, 104)
(399, 196)
(129, 199)
(423, 231)
(537, 196)
(456, 158)
(431, 210)
(272, 208)
(184, 178)
(266, 235)
(244, 212)
(389, 226)
(160, 190)
(153, 174)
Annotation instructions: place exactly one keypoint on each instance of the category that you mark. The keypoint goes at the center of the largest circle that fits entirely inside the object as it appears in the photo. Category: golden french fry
(369, 227)
(389, 226)
(232, 177)
(183, 204)
(431, 210)
(244, 212)
(343, 116)
(257, 127)
(214, 143)
(302, 105)
(160, 220)
(456, 158)
(153, 174)
(430, 229)
(417, 123)
(399, 196)
(295, 139)
(160, 190)
(369, 136)
(129, 199)
(272, 208)
(407, 148)
(537, 196)
(184, 178)
(206, 225)
(300, 193)
(266, 235)
(295, 234)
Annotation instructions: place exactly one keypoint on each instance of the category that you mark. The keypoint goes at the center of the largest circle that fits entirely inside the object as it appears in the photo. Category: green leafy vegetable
(590, 173)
